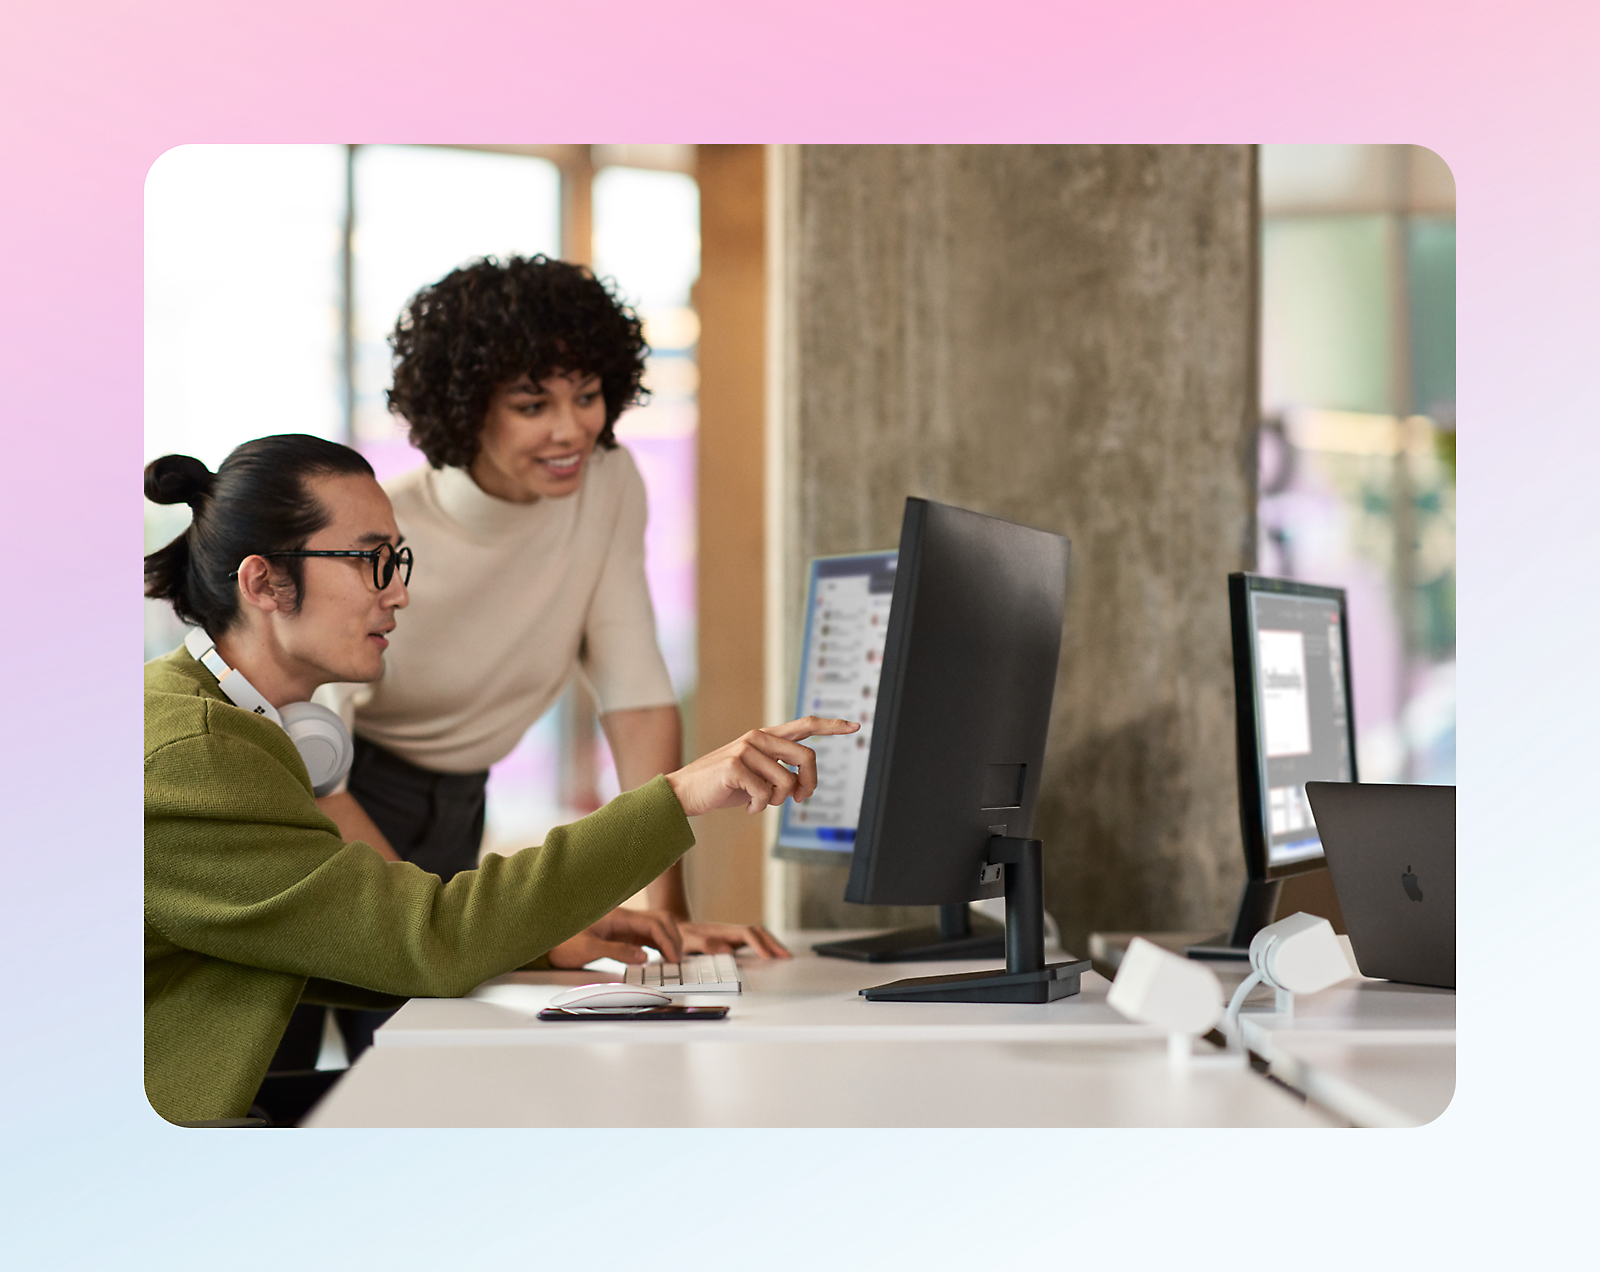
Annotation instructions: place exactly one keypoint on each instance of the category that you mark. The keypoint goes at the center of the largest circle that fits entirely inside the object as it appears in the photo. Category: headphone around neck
(317, 733)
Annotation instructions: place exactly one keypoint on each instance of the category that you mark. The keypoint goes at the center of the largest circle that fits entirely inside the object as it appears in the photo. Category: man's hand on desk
(621, 935)
(724, 938)
(751, 770)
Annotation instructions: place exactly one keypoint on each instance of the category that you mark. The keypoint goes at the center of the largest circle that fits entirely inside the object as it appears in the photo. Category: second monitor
(954, 765)
(1294, 723)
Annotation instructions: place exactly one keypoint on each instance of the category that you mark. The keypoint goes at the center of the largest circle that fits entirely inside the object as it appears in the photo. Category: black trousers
(433, 820)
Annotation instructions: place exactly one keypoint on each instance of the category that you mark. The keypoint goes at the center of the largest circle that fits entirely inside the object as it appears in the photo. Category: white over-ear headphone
(317, 733)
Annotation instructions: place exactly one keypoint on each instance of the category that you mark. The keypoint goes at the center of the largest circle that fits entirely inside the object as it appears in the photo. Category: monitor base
(1041, 985)
(1025, 978)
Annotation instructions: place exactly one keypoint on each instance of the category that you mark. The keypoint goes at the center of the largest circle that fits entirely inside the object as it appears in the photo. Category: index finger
(811, 726)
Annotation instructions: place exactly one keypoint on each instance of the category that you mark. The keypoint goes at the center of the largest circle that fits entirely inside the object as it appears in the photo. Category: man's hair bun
(175, 479)
(257, 502)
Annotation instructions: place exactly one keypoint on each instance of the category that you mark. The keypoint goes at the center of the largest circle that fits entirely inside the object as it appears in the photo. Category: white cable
(1236, 1003)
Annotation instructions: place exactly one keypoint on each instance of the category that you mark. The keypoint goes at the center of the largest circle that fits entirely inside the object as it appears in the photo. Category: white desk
(800, 1048)
(800, 1083)
(1374, 1052)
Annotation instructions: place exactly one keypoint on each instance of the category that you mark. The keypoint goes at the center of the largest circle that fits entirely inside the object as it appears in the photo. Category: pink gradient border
(94, 92)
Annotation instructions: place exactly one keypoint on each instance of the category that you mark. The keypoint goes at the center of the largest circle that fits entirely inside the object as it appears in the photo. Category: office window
(1358, 444)
(1326, 335)
(243, 246)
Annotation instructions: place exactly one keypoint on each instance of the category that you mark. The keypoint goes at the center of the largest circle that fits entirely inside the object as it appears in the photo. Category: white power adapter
(1297, 955)
(1300, 954)
(1156, 987)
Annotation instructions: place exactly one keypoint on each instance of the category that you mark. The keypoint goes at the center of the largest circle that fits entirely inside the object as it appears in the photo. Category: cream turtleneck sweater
(507, 600)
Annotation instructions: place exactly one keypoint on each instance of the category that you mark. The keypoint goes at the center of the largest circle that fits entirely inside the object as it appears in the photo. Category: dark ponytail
(258, 501)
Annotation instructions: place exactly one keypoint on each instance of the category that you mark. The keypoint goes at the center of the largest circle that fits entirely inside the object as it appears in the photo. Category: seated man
(294, 569)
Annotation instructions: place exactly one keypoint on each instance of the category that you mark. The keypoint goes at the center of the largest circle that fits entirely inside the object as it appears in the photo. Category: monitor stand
(1258, 906)
(952, 939)
(1026, 978)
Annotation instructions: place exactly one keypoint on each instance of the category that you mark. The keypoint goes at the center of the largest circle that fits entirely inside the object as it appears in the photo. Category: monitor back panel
(964, 703)
(1392, 853)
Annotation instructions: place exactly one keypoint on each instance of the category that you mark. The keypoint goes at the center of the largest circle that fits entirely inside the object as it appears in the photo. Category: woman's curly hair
(488, 323)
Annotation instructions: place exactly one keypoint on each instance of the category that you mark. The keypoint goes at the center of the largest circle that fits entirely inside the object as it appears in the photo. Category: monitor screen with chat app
(847, 618)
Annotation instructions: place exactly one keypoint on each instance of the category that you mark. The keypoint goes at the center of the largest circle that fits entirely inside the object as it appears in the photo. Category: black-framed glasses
(385, 558)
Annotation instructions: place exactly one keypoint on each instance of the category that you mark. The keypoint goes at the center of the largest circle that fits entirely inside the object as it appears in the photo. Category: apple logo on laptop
(1408, 881)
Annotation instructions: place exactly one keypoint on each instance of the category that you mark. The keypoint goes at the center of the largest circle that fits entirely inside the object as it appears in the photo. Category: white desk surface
(802, 1084)
(1373, 1011)
(799, 1048)
(801, 999)
(1399, 1084)
(1368, 1053)
(1374, 1052)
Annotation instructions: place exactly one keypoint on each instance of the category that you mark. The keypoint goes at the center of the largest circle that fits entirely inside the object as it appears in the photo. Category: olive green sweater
(253, 902)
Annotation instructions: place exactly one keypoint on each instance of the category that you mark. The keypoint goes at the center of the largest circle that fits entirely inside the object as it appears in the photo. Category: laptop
(1392, 853)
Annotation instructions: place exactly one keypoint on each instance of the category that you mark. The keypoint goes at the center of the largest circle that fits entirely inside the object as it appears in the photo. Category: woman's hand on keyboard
(621, 935)
(764, 767)
(724, 938)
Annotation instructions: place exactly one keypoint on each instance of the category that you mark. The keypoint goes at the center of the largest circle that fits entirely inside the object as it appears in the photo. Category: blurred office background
(1357, 452)
(274, 273)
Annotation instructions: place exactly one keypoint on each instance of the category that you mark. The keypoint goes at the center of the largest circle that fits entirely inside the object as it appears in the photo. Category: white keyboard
(697, 974)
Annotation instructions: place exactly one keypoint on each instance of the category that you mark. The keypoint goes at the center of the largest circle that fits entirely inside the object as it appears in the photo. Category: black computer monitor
(1294, 723)
(847, 622)
(963, 711)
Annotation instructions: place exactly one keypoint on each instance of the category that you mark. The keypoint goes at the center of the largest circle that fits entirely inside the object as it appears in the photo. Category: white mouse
(610, 995)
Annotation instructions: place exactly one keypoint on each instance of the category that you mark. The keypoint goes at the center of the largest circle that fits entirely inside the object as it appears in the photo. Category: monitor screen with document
(1292, 672)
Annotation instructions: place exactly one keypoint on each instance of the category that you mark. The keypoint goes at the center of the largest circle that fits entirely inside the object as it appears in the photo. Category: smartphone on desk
(672, 1011)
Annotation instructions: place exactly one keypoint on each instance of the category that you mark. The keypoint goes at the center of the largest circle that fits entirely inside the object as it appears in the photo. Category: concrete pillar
(1063, 336)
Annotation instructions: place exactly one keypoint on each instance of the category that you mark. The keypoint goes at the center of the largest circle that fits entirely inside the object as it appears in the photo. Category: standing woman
(511, 376)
